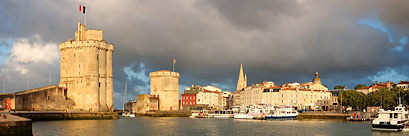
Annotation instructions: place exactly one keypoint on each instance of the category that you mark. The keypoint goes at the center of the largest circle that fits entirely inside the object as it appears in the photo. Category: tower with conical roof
(242, 81)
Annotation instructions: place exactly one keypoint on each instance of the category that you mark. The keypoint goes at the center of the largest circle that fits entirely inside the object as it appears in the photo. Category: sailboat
(124, 113)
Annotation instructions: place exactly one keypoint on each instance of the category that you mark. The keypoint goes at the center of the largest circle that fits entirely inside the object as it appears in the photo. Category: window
(193, 102)
(296, 95)
(311, 96)
(190, 102)
(99, 84)
(282, 101)
(291, 101)
(183, 102)
(282, 95)
(194, 98)
(291, 95)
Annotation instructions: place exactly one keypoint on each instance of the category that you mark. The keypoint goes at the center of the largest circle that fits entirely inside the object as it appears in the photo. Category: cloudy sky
(347, 42)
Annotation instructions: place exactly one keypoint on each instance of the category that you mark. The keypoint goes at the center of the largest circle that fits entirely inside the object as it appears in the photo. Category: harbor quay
(63, 115)
(14, 125)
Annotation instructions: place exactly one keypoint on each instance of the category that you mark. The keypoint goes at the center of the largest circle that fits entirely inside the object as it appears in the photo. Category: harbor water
(187, 126)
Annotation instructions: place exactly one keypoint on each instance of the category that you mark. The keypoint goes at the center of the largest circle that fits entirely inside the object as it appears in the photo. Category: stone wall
(44, 98)
(142, 103)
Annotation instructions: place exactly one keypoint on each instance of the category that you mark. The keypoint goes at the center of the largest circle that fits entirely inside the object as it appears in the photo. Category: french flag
(82, 9)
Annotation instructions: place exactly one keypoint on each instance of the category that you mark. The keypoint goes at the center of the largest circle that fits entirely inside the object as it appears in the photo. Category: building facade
(86, 70)
(388, 85)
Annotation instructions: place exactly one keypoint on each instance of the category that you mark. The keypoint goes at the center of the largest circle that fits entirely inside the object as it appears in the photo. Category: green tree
(352, 98)
(388, 97)
(360, 86)
(339, 87)
(405, 97)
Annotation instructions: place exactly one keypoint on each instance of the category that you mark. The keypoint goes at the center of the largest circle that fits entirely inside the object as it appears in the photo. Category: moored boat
(285, 112)
(395, 120)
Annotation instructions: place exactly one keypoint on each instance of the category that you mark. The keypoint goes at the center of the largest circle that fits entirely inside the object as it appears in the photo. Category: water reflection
(187, 126)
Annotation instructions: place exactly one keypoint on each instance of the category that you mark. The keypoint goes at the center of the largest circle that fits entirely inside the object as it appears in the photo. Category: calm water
(186, 126)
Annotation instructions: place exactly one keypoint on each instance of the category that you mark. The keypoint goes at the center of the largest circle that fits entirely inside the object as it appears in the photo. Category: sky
(348, 42)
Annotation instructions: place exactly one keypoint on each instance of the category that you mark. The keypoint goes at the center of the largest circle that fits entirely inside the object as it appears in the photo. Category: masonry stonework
(86, 70)
(165, 85)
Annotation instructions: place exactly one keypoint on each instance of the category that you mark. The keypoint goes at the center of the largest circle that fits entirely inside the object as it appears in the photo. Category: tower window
(75, 55)
(99, 84)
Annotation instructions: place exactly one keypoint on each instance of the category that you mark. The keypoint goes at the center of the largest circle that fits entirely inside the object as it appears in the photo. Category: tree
(388, 97)
(405, 97)
(360, 86)
(352, 98)
(339, 87)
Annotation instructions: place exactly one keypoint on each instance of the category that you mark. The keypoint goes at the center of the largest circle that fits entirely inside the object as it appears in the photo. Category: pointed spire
(242, 81)
(241, 73)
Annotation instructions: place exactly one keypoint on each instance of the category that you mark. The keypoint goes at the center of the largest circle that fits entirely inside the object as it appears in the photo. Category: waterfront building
(86, 70)
(202, 97)
(403, 84)
(131, 106)
(86, 79)
(309, 95)
(165, 85)
(242, 81)
(388, 85)
(226, 99)
(146, 103)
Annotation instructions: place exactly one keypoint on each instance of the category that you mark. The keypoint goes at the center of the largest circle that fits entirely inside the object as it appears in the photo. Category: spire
(245, 80)
(241, 73)
(242, 81)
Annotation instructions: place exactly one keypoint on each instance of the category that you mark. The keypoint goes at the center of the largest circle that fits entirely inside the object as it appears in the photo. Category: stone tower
(86, 70)
(165, 84)
(242, 82)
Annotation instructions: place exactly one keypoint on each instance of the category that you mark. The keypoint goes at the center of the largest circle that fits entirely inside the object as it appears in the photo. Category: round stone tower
(165, 84)
(86, 70)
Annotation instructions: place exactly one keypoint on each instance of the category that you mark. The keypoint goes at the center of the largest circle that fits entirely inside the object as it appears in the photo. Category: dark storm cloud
(282, 41)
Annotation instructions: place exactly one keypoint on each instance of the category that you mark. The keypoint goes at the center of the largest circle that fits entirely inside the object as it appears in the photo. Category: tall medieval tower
(86, 70)
(165, 85)
(242, 82)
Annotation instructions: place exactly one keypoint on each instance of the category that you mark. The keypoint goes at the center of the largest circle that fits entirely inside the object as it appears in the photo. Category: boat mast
(123, 106)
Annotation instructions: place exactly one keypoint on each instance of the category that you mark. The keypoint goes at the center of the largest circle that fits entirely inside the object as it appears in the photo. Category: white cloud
(24, 51)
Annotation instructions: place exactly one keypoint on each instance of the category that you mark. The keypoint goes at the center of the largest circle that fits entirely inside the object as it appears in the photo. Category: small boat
(131, 115)
(199, 114)
(286, 112)
(258, 111)
(395, 120)
(222, 114)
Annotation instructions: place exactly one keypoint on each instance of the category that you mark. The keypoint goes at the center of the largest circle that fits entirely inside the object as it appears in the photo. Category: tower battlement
(164, 73)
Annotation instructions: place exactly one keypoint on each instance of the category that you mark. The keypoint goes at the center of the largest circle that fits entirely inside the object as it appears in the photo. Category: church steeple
(242, 81)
